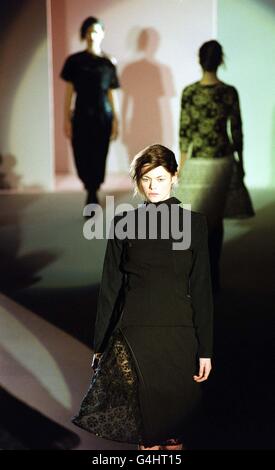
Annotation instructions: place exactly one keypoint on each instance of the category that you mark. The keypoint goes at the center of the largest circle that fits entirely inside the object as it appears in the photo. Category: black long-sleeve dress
(154, 321)
(92, 77)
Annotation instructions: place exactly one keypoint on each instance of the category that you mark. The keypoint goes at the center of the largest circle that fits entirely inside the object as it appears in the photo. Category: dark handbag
(238, 203)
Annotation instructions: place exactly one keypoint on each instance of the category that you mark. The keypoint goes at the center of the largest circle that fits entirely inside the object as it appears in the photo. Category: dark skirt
(119, 406)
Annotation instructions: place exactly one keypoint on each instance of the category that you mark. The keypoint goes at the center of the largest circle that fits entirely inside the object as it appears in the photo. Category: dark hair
(151, 156)
(87, 23)
(211, 55)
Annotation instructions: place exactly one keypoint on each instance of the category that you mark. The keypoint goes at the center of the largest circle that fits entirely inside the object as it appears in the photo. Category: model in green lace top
(210, 117)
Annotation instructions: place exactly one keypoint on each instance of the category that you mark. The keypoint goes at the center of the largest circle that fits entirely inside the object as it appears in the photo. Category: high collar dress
(154, 321)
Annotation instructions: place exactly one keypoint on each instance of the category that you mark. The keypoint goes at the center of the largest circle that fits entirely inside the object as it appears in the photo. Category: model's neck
(166, 200)
(94, 48)
(209, 78)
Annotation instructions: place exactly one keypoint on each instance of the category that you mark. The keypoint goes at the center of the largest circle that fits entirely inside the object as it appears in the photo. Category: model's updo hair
(149, 158)
(87, 23)
(211, 55)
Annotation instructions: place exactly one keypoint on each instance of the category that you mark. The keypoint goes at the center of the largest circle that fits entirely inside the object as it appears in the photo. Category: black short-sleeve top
(91, 76)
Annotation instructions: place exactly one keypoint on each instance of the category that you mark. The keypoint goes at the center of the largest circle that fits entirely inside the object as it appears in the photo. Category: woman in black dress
(92, 76)
(153, 331)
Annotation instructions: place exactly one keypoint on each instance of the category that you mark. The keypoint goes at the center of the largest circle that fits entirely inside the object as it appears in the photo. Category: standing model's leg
(90, 144)
(97, 161)
(81, 147)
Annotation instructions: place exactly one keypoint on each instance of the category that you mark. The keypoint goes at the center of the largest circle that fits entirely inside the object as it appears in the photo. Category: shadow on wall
(147, 87)
(10, 180)
(8, 177)
(9, 11)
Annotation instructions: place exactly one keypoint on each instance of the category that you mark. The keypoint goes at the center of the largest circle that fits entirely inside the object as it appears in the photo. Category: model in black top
(153, 331)
(92, 76)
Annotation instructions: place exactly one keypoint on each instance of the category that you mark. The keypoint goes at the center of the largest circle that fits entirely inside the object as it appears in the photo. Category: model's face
(95, 34)
(156, 184)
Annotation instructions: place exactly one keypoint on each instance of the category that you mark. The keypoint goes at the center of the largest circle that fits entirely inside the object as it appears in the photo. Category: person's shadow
(147, 90)
(9, 179)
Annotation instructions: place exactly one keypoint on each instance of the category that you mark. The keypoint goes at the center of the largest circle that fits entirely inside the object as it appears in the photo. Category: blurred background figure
(210, 137)
(92, 76)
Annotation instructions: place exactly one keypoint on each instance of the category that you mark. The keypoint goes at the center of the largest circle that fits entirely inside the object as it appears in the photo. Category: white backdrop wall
(246, 29)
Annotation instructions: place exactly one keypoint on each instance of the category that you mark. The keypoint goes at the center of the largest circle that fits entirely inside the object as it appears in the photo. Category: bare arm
(113, 99)
(69, 91)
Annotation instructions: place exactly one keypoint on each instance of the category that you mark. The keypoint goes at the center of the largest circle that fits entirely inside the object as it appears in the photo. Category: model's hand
(95, 361)
(68, 128)
(205, 368)
(114, 133)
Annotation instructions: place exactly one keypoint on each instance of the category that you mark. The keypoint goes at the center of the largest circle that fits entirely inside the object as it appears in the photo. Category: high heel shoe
(141, 447)
(172, 444)
(172, 447)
